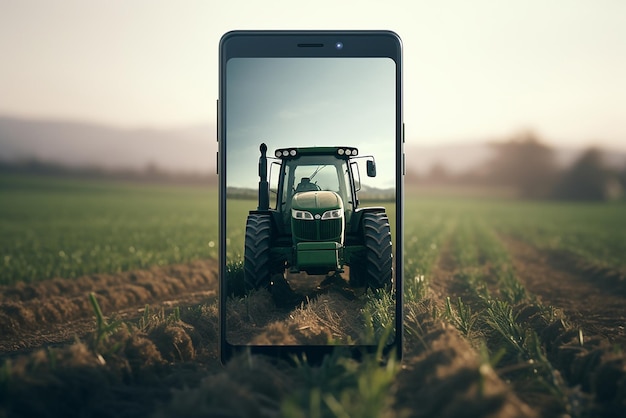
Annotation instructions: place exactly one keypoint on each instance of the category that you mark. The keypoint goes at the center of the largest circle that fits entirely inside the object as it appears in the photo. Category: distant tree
(588, 179)
(152, 168)
(525, 163)
(411, 177)
(622, 177)
(438, 173)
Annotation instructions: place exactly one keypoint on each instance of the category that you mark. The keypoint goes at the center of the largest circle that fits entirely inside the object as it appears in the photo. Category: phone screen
(311, 212)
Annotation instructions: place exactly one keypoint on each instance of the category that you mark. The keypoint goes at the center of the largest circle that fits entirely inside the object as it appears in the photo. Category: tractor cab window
(316, 177)
(287, 186)
(316, 173)
(274, 178)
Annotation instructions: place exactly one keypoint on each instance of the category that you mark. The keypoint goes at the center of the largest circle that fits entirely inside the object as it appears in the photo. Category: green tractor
(317, 225)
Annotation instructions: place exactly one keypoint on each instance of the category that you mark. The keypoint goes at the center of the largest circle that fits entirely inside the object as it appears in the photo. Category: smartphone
(310, 167)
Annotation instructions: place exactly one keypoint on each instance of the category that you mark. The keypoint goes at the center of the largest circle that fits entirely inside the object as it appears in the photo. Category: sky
(305, 102)
(473, 71)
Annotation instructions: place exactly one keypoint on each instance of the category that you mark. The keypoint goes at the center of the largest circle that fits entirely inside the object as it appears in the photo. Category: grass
(103, 328)
(343, 387)
(592, 231)
(461, 316)
(69, 228)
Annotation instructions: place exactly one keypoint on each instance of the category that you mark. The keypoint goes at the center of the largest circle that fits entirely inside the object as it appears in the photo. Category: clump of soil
(126, 373)
(591, 362)
(141, 350)
(249, 386)
(174, 341)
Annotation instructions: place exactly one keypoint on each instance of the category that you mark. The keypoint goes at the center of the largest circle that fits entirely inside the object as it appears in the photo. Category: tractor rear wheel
(257, 260)
(376, 269)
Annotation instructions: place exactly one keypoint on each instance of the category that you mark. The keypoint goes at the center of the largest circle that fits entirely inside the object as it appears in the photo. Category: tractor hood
(317, 201)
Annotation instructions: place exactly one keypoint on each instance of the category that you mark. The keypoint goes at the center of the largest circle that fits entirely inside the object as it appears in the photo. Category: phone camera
(338, 45)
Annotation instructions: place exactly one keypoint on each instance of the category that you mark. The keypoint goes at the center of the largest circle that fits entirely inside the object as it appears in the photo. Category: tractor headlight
(333, 214)
(301, 214)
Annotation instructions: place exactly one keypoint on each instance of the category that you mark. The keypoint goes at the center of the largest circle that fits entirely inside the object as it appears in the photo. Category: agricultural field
(108, 307)
(71, 228)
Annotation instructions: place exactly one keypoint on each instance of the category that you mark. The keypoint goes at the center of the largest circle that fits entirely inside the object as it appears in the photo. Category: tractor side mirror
(371, 168)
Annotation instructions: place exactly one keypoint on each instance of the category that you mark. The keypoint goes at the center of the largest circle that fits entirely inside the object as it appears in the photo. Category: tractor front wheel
(257, 261)
(376, 269)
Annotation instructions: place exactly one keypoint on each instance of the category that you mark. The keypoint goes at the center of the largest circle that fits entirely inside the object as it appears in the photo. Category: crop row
(487, 316)
(68, 228)
(526, 340)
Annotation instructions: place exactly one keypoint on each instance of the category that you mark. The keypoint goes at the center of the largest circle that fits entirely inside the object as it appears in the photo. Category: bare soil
(298, 310)
(58, 310)
(171, 368)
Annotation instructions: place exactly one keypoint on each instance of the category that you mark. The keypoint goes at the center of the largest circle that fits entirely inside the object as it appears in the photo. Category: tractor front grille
(305, 230)
(330, 229)
(317, 230)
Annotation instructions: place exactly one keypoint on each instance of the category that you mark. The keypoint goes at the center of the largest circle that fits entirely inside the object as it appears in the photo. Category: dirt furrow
(443, 375)
(442, 282)
(56, 310)
(590, 303)
(445, 363)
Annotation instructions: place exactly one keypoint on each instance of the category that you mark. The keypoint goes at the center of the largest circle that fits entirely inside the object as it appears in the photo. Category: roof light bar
(352, 152)
(285, 152)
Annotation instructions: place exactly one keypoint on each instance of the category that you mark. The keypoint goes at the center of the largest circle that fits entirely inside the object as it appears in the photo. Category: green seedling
(103, 330)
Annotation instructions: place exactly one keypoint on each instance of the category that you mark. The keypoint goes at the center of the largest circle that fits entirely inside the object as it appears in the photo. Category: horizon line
(413, 141)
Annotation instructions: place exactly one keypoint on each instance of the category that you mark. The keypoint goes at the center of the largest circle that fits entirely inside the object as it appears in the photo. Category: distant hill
(78, 144)
(193, 149)
(455, 158)
(463, 157)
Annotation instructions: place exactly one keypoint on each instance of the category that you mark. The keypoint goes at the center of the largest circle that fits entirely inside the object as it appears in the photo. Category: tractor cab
(323, 169)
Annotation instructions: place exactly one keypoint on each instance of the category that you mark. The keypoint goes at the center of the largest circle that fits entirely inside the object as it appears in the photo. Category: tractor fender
(357, 216)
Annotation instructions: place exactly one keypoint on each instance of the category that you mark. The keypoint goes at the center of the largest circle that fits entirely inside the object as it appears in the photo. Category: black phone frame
(316, 43)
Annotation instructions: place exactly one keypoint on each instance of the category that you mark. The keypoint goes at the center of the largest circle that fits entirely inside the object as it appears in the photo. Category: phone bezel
(378, 43)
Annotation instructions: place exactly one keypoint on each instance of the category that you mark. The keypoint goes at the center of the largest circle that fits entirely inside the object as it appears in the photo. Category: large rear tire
(376, 269)
(256, 264)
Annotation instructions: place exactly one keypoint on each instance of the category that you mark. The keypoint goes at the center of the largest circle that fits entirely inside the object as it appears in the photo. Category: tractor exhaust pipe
(264, 188)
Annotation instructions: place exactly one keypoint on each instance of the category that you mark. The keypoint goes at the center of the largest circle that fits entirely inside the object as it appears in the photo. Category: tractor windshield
(316, 172)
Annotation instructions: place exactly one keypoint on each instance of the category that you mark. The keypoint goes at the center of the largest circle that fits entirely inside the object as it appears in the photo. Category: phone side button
(217, 124)
(217, 162)
(403, 140)
(403, 165)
